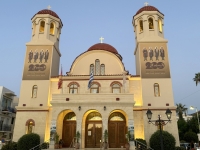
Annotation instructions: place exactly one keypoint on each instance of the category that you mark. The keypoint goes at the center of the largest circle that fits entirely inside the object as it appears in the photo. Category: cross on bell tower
(101, 39)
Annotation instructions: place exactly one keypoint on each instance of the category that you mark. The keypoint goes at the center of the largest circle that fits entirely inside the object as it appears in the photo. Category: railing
(141, 146)
(44, 145)
(5, 127)
(9, 109)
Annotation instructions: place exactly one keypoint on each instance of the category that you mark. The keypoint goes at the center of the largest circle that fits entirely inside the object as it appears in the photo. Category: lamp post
(159, 122)
(192, 107)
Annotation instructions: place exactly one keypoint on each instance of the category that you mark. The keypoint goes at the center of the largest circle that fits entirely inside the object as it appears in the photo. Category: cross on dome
(101, 39)
(49, 7)
(146, 4)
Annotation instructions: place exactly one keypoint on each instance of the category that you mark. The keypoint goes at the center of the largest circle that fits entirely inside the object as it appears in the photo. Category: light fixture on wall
(79, 108)
(104, 107)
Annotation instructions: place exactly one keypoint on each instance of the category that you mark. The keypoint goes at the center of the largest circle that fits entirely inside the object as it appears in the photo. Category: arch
(97, 67)
(30, 124)
(102, 69)
(69, 128)
(71, 83)
(30, 120)
(93, 129)
(95, 82)
(156, 90)
(117, 129)
(150, 21)
(160, 25)
(94, 88)
(141, 25)
(52, 28)
(115, 82)
(42, 26)
(34, 91)
(91, 68)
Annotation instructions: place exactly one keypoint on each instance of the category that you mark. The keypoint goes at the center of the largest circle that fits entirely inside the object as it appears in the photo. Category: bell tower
(152, 64)
(41, 62)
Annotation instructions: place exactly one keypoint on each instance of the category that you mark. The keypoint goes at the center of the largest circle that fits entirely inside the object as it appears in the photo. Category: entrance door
(69, 129)
(93, 134)
(93, 130)
(117, 130)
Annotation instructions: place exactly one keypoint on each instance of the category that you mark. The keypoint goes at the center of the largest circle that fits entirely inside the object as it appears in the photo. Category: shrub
(45, 145)
(168, 140)
(10, 146)
(28, 141)
(179, 148)
(190, 136)
(142, 141)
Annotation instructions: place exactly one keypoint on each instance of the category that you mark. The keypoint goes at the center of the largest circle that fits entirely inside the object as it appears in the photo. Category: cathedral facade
(115, 100)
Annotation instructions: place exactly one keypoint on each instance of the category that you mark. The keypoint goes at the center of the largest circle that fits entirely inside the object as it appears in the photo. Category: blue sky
(87, 20)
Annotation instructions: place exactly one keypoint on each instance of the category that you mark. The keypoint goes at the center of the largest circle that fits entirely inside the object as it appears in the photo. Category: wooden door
(93, 134)
(116, 134)
(69, 132)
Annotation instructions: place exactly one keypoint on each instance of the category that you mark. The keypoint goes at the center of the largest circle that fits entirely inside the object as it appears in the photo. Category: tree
(182, 128)
(190, 136)
(180, 109)
(193, 124)
(169, 141)
(197, 78)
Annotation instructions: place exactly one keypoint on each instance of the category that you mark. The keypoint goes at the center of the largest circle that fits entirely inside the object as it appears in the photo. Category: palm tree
(180, 109)
(197, 78)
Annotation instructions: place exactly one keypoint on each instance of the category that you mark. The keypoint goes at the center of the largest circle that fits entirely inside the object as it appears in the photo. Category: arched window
(94, 116)
(141, 25)
(160, 25)
(34, 26)
(156, 90)
(150, 21)
(97, 67)
(91, 69)
(30, 127)
(73, 88)
(52, 26)
(102, 69)
(34, 91)
(94, 88)
(30, 124)
(116, 88)
(42, 26)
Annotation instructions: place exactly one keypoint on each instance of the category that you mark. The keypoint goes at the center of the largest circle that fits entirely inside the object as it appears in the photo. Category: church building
(115, 101)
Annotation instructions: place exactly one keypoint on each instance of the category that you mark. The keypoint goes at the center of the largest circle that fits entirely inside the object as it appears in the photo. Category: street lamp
(192, 107)
(159, 122)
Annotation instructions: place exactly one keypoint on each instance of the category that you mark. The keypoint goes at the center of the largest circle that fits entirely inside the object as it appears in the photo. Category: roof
(47, 11)
(147, 8)
(103, 46)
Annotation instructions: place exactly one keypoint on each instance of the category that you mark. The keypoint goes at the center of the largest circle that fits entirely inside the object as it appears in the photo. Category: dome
(103, 46)
(147, 8)
(47, 11)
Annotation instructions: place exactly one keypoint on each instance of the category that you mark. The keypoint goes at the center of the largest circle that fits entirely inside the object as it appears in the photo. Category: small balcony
(8, 110)
(5, 128)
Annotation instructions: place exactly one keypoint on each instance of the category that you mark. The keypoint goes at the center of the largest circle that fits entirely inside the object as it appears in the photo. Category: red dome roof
(103, 46)
(47, 11)
(147, 8)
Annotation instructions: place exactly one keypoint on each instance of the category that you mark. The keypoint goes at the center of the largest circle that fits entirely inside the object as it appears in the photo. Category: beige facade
(118, 99)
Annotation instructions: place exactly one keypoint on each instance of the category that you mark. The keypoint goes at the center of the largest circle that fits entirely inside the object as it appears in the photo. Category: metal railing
(141, 146)
(44, 145)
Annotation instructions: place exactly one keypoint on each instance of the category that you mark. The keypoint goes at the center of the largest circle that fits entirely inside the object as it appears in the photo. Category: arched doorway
(93, 130)
(69, 129)
(117, 130)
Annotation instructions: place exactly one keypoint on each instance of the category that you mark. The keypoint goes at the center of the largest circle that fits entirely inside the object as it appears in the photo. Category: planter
(56, 146)
(127, 145)
(60, 145)
(77, 145)
(105, 145)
